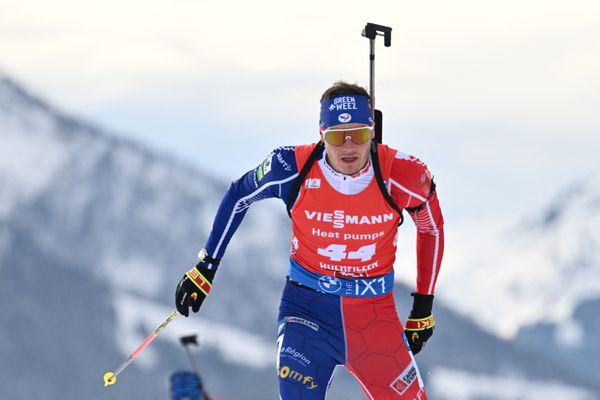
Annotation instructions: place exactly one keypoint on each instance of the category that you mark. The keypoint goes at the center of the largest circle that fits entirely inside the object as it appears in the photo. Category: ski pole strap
(420, 324)
(371, 30)
(351, 287)
(199, 280)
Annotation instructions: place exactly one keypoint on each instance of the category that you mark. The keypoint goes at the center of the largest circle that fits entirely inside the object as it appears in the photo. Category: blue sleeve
(274, 177)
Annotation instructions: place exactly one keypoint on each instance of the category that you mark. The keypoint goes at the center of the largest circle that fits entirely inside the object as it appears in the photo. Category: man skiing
(345, 196)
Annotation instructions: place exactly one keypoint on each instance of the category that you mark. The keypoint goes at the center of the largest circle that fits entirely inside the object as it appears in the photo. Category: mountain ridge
(101, 222)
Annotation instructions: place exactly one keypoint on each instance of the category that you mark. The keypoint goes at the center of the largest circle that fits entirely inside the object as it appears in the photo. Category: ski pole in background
(188, 385)
(187, 341)
(371, 31)
(110, 378)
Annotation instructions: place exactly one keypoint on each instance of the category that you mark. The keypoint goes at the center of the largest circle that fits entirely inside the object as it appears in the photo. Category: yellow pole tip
(109, 379)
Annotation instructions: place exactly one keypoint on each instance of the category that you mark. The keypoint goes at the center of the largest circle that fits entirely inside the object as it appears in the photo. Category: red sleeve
(430, 244)
(412, 186)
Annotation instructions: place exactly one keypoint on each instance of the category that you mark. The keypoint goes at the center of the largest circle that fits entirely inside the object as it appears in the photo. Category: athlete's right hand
(193, 288)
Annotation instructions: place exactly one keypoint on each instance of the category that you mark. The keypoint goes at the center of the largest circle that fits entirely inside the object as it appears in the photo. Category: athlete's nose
(348, 139)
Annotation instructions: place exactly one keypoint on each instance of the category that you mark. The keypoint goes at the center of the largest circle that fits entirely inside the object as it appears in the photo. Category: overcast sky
(500, 98)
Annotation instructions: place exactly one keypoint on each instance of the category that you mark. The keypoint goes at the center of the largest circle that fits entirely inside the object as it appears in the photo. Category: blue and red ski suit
(337, 307)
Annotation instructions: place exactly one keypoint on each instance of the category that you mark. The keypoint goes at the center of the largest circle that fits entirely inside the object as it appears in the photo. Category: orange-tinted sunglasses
(338, 137)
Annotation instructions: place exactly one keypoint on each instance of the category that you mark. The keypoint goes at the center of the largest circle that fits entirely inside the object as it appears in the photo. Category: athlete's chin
(349, 166)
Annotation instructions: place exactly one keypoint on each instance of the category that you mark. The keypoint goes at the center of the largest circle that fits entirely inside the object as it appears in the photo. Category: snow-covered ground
(136, 315)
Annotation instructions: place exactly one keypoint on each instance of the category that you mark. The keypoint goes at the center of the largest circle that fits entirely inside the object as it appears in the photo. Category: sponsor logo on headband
(344, 118)
(343, 109)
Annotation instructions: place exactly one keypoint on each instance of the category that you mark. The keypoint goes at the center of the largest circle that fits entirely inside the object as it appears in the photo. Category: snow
(507, 274)
(34, 161)
(452, 384)
(125, 272)
(134, 314)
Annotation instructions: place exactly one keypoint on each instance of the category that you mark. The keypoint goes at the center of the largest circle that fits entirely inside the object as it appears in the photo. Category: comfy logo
(286, 372)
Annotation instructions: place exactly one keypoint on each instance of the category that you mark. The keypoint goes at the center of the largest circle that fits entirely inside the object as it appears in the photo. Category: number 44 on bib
(337, 252)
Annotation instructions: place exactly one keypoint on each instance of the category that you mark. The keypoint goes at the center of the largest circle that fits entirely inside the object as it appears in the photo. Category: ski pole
(110, 378)
(187, 341)
(371, 31)
(190, 340)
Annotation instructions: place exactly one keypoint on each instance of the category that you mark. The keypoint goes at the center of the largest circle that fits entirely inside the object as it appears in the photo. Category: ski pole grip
(191, 339)
(372, 30)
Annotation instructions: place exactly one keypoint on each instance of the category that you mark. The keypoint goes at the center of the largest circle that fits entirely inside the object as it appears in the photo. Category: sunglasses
(338, 137)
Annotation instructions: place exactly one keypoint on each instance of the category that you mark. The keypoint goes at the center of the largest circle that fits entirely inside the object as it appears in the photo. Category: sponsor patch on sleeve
(264, 168)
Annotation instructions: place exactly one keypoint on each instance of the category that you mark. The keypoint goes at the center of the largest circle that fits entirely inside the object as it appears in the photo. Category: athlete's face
(349, 158)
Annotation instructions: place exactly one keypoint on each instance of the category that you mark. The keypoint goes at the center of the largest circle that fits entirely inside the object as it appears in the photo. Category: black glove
(195, 285)
(420, 323)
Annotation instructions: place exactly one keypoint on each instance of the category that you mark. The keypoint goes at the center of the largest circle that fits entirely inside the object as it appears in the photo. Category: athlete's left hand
(420, 324)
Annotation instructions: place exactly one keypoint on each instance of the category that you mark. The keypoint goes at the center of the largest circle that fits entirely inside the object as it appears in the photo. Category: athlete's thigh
(378, 354)
(304, 366)
(310, 342)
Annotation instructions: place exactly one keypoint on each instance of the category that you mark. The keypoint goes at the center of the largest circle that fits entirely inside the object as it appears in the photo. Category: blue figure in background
(186, 385)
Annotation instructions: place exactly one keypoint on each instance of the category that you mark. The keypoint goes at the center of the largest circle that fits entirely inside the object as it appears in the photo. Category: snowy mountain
(542, 268)
(96, 231)
(538, 280)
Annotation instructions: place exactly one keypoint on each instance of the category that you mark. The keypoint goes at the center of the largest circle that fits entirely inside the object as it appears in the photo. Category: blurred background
(122, 124)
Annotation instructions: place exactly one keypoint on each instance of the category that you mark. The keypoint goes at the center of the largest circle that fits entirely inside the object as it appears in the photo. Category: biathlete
(345, 196)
